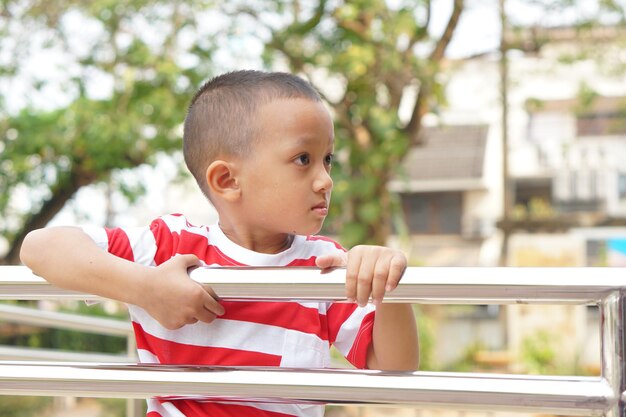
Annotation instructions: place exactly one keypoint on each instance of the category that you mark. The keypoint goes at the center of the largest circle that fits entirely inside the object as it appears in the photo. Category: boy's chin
(308, 231)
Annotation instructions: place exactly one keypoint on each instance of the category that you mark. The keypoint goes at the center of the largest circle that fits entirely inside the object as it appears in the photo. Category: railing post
(613, 343)
(134, 407)
(620, 355)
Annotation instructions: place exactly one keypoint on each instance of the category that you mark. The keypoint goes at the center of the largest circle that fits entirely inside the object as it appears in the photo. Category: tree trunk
(42, 217)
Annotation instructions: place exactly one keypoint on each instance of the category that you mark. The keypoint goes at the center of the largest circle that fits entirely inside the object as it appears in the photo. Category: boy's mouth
(321, 209)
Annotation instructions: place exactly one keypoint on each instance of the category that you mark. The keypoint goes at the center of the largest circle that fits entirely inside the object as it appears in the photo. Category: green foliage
(114, 407)
(586, 96)
(71, 340)
(136, 49)
(467, 361)
(153, 53)
(17, 406)
(23, 406)
(427, 341)
(537, 208)
(370, 49)
(596, 27)
(538, 353)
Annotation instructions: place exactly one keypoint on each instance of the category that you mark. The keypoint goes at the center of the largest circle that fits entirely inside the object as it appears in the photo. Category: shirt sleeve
(350, 330)
(136, 244)
(350, 327)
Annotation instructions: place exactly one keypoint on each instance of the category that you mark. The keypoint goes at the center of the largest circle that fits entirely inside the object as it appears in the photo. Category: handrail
(54, 355)
(602, 396)
(54, 319)
(566, 395)
(440, 285)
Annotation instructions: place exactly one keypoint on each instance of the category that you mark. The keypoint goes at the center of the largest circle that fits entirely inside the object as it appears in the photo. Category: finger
(381, 274)
(352, 273)
(332, 260)
(211, 303)
(397, 267)
(211, 292)
(173, 324)
(191, 320)
(364, 280)
(205, 316)
(189, 260)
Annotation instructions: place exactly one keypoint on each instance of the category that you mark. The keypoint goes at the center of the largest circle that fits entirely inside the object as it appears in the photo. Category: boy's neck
(258, 241)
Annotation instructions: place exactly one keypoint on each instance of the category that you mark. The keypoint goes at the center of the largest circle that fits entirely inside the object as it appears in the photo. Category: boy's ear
(220, 177)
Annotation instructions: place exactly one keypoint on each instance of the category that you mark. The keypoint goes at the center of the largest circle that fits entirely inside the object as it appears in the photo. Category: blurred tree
(573, 32)
(127, 72)
(597, 26)
(371, 59)
(133, 51)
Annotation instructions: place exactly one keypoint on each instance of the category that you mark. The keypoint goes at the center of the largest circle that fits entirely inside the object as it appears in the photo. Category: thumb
(332, 260)
(188, 260)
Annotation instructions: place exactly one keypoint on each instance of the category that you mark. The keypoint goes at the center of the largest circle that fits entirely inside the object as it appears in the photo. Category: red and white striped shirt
(286, 334)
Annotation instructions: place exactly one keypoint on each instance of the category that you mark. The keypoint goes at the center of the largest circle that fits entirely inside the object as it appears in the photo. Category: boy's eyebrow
(305, 140)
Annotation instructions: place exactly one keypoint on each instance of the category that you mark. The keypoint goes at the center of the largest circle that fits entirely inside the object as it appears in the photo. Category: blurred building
(567, 138)
(566, 147)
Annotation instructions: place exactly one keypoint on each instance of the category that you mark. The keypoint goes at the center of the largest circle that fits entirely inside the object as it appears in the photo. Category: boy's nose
(323, 182)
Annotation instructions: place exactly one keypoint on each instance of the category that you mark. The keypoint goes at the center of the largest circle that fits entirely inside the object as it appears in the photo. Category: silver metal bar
(558, 395)
(56, 320)
(19, 283)
(611, 333)
(440, 285)
(38, 354)
(619, 354)
(583, 396)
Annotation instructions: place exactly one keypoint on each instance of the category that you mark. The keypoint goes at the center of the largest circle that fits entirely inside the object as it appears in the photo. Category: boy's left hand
(370, 271)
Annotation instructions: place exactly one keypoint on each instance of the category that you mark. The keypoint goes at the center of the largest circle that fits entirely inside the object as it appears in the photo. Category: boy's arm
(69, 258)
(372, 271)
(395, 344)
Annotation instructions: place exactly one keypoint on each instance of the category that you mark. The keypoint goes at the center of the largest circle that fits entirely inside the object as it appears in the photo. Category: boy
(260, 146)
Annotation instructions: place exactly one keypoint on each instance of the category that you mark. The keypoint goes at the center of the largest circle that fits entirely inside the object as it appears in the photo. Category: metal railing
(34, 317)
(572, 395)
(56, 320)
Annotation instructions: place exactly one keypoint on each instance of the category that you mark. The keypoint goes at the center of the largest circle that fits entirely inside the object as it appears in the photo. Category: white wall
(547, 146)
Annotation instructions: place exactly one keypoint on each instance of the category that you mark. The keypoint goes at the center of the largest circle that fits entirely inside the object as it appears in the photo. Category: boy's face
(285, 182)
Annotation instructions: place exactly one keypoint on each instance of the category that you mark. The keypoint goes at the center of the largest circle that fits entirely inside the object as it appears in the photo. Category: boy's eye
(328, 160)
(303, 159)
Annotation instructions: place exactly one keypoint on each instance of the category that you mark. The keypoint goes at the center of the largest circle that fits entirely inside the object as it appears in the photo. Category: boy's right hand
(174, 299)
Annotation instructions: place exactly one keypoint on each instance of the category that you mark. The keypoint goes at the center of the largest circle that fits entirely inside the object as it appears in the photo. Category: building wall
(479, 215)
(544, 144)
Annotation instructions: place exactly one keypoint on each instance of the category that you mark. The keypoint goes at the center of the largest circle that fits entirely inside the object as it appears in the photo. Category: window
(433, 213)
(601, 124)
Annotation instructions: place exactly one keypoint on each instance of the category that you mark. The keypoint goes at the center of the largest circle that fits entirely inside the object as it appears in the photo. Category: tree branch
(445, 39)
(278, 40)
(305, 27)
(51, 207)
(421, 103)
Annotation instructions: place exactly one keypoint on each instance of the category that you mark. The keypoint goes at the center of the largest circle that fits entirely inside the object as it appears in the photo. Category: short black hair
(221, 120)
